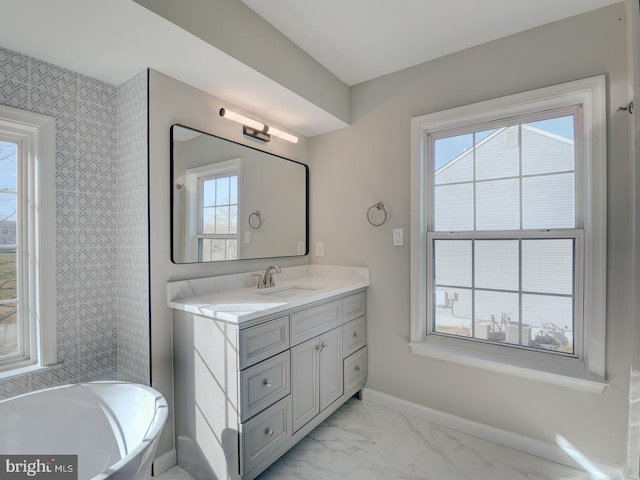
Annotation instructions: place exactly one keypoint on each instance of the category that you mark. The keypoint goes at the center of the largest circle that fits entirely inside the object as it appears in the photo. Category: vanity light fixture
(246, 121)
(283, 135)
(256, 129)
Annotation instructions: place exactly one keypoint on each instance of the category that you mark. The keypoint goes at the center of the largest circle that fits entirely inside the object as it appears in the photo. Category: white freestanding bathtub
(113, 427)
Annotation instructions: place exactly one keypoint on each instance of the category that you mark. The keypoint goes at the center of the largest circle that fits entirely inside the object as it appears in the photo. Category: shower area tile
(132, 256)
(96, 124)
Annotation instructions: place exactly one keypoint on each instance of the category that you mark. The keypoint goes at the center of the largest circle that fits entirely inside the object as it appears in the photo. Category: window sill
(508, 363)
(13, 372)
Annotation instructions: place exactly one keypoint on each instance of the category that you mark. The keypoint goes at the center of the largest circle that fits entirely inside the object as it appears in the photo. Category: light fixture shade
(241, 119)
(283, 135)
(257, 129)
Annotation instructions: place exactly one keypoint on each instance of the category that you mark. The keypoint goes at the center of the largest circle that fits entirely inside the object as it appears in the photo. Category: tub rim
(161, 414)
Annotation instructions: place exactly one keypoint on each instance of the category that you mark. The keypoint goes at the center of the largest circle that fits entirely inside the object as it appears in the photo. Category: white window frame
(585, 371)
(36, 135)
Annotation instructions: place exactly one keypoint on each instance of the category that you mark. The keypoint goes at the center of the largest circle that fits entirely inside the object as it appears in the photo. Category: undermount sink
(287, 291)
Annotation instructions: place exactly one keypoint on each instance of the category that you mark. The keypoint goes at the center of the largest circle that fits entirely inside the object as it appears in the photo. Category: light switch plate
(398, 237)
(247, 237)
(319, 249)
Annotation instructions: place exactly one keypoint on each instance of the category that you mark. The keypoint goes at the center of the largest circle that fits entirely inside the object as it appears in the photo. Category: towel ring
(380, 208)
(255, 220)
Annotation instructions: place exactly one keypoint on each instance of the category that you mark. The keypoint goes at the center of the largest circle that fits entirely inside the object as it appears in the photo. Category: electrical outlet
(300, 248)
(319, 249)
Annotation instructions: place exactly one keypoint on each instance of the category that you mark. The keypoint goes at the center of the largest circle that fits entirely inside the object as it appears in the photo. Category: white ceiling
(357, 40)
(113, 40)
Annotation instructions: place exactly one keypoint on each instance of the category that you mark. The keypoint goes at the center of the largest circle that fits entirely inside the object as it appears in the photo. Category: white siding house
(517, 291)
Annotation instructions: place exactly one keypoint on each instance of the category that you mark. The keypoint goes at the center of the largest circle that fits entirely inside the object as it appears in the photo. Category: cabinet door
(330, 367)
(305, 369)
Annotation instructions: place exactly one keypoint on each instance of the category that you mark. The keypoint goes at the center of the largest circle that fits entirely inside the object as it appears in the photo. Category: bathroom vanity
(257, 369)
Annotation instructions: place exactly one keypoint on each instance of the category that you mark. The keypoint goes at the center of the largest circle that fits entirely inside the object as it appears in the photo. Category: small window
(508, 234)
(27, 262)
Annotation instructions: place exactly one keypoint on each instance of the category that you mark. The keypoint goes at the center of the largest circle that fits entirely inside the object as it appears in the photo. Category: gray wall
(172, 102)
(86, 199)
(370, 161)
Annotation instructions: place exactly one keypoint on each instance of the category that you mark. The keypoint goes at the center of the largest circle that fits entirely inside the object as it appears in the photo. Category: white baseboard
(565, 456)
(164, 462)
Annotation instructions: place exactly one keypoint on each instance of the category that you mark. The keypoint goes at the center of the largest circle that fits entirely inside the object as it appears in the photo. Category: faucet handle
(260, 280)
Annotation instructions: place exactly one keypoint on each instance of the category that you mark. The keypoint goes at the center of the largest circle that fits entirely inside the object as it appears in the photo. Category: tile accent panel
(85, 110)
(133, 233)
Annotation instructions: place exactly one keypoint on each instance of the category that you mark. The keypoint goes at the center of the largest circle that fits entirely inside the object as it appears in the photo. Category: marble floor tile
(430, 451)
(366, 441)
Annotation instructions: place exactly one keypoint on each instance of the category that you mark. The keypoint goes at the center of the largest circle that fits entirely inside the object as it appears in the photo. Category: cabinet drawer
(264, 384)
(353, 307)
(263, 341)
(354, 335)
(265, 433)
(355, 369)
(315, 321)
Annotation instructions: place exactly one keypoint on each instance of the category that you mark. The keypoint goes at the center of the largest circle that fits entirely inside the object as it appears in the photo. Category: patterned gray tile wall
(133, 233)
(85, 110)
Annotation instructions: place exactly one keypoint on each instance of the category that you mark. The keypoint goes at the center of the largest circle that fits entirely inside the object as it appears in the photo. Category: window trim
(587, 373)
(37, 133)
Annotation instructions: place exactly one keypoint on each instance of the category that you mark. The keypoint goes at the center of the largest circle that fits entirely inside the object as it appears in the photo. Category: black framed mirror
(232, 202)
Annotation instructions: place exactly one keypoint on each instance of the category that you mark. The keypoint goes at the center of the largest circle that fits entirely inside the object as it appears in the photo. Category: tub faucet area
(266, 280)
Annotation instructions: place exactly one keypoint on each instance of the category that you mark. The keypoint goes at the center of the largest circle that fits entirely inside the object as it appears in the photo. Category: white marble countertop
(235, 298)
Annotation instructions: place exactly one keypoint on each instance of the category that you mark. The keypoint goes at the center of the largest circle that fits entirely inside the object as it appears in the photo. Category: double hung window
(508, 223)
(505, 243)
(27, 261)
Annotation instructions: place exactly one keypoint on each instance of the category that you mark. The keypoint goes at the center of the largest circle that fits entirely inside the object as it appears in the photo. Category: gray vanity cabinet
(316, 377)
(246, 393)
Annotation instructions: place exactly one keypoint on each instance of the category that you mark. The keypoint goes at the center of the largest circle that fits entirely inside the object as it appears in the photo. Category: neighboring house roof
(493, 136)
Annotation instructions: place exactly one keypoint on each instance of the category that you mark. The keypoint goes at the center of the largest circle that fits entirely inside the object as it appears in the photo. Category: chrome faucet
(267, 281)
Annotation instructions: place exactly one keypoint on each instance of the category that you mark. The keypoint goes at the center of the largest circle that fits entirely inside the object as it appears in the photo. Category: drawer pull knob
(356, 335)
(358, 368)
(324, 345)
(268, 432)
(318, 347)
(267, 383)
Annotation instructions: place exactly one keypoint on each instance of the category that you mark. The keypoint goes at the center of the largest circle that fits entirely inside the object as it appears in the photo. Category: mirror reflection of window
(217, 236)
(212, 210)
